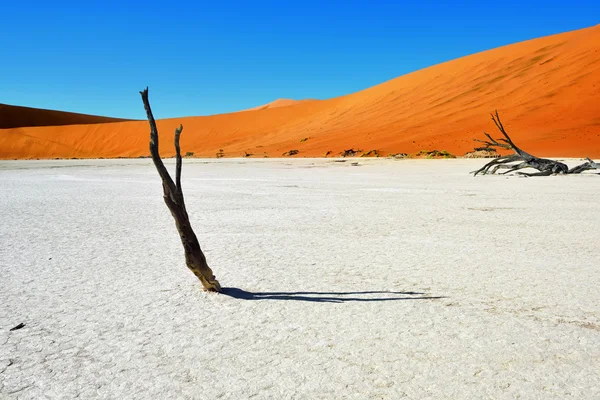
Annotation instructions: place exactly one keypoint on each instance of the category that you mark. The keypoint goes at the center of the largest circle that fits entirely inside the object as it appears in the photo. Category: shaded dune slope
(547, 91)
(18, 117)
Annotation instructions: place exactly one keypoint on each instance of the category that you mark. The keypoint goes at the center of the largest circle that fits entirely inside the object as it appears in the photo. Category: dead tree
(584, 167)
(544, 166)
(173, 197)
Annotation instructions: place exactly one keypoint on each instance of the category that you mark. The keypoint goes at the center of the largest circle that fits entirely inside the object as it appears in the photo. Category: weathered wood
(544, 166)
(173, 197)
(589, 164)
(491, 143)
(178, 159)
(500, 162)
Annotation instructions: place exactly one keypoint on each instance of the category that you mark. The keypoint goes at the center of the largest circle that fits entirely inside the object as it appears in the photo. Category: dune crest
(547, 91)
(278, 103)
(19, 117)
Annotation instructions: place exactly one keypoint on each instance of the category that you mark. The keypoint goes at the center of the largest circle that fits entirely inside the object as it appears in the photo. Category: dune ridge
(547, 91)
(278, 103)
(18, 117)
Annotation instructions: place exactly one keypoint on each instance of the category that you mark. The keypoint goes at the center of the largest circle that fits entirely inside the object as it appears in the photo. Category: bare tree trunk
(173, 197)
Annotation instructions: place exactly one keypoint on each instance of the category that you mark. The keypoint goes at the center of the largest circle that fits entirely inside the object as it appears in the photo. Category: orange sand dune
(17, 117)
(547, 91)
(278, 103)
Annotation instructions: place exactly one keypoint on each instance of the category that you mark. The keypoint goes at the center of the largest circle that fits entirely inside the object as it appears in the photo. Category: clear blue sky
(201, 58)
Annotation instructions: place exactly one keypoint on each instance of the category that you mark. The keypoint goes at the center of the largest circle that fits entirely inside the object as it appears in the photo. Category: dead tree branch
(491, 143)
(584, 167)
(544, 166)
(178, 159)
(173, 197)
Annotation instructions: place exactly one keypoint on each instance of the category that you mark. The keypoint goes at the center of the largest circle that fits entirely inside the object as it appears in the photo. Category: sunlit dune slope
(547, 91)
(17, 117)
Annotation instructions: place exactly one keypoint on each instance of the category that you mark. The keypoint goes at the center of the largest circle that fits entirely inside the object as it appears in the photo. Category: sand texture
(278, 103)
(547, 91)
(384, 280)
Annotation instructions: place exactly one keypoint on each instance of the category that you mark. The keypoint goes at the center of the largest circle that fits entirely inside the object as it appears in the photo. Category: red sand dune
(17, 117)
(278, 103)
(547, 91)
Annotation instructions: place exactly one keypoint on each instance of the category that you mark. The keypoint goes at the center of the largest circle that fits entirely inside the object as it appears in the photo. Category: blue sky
(201, 58)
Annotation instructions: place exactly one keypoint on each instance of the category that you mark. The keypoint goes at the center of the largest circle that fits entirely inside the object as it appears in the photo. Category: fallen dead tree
(521, 159)
(173, 197)
(584, 167)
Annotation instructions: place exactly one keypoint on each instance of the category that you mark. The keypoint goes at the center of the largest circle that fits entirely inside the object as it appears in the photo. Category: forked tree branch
(160, 167)
(173, 197)
(491, 143)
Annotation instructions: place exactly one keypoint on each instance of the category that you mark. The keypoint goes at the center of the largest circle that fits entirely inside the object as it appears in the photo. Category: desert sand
(389, 279)
(18, 117)
(279, 103)
(546, 90)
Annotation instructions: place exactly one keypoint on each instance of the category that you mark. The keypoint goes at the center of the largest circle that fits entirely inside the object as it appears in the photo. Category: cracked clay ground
(385, 280)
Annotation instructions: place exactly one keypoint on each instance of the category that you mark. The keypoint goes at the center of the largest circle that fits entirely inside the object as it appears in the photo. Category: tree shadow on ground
(327, 297)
